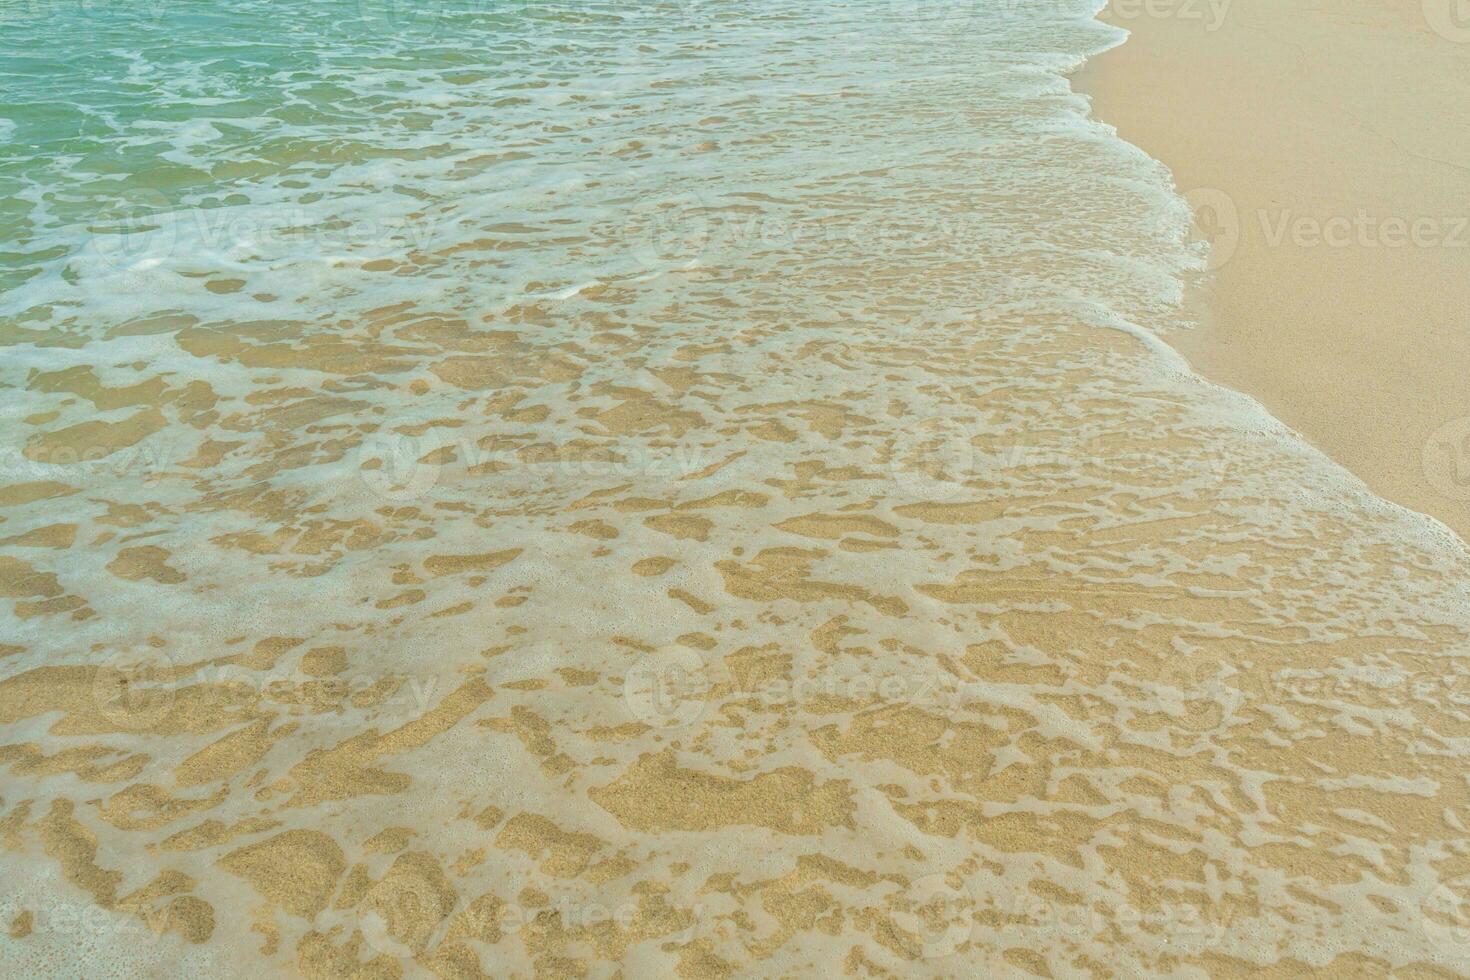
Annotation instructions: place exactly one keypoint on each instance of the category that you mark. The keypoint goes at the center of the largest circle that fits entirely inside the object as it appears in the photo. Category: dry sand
(1334, 130)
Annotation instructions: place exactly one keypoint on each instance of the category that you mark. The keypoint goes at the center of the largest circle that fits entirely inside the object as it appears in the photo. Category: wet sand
(1341, 286)
(829, 573)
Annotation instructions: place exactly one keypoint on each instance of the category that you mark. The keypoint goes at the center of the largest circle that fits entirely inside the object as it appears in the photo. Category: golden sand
(1322, 144)
(1078, 712)
(820, 612)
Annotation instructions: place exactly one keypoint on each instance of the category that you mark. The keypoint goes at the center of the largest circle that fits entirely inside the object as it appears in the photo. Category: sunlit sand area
(710, 488)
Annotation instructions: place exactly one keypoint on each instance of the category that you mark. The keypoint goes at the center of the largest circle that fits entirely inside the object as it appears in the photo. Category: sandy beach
(585, 490)
(1321, 144)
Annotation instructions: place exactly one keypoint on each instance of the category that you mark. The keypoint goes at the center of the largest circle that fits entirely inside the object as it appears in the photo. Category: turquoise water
(302, 148)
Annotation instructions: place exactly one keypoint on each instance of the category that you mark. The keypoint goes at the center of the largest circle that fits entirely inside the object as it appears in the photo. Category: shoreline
(1312, 144)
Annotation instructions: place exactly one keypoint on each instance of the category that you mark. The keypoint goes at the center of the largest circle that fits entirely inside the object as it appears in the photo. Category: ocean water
(690, 488)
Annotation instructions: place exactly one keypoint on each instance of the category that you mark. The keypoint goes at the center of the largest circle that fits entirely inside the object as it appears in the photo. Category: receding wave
(599, 489)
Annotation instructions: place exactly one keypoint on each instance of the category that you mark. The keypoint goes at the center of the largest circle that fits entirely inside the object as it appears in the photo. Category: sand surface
(1327, 139)
(823, 571)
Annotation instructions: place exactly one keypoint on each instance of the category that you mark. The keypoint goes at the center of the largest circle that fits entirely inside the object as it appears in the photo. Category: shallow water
(546, 489)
